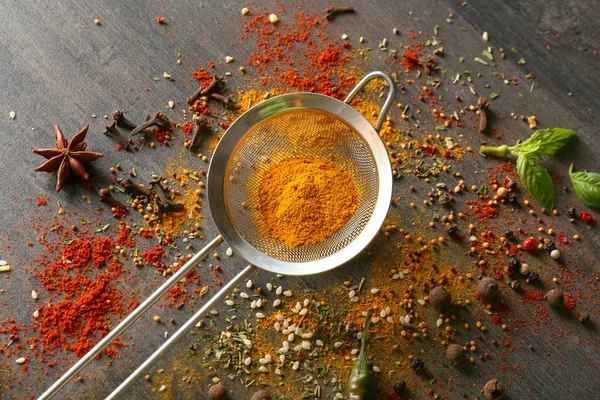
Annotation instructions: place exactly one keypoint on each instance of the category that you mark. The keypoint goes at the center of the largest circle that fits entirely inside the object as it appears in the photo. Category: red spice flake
(200, 107)
(175, 293)
(483, 212)
(319, 69)
(202, 76)
(533, 296)
(120, 212)
(146, 234)
(102, 251)
(187, 128)
(41, 201)
(562, 238)
(506, 167)
(154, 257)
(160, 20)
(73, 325)
(79, 273)
(569, 301)
(429, 150)
(161, 135)
(124, 238)
(410, 57)
(496, 319)
(77, 253)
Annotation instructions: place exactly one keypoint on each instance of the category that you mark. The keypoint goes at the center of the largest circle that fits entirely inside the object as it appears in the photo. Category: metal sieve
(291, 125)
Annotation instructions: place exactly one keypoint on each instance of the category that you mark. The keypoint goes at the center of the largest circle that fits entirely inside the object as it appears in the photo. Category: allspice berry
(217, 392)
(555, 298)
(487, 288)
(455, 354)
(261, 395)
(494, 390)
(439, 298)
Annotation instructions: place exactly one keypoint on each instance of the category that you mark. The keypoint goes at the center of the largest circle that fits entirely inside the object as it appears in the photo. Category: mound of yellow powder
(306, 200)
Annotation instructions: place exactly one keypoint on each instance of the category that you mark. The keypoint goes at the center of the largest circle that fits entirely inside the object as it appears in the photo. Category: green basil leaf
(587, 186)
(537, 181)
(548, 141)
(525, 148)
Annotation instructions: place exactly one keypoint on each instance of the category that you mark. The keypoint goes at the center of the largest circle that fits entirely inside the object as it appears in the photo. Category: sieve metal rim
(236, 133)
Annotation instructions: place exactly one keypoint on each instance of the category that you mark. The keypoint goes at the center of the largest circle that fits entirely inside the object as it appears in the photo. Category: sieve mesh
(298, 133)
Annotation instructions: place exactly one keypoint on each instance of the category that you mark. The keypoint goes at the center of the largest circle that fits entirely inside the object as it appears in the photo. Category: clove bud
(160, 120)
(200, 130)
(123, 122)
(106, 197)
(214, 87)
(134, 188)
(226, 101)
(331, 12)
(482, 105)
(112, 131)
(163, 204)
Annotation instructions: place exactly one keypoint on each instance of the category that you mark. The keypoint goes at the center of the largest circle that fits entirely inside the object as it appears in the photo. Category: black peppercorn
(487, 288)
(399, 387)
(571, 211)
(509, 235)
(513, 265)
(416, 364)
(549, 244)
(555, 298)
(439, 298)
(533, 276)
(512, 197)
(455, 354)
(494, 390)
(451, 230)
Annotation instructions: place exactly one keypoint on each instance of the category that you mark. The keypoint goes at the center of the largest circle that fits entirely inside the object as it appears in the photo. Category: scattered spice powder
(79, 273)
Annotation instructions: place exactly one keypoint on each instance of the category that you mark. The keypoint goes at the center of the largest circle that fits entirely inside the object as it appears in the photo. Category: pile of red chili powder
(79, 272)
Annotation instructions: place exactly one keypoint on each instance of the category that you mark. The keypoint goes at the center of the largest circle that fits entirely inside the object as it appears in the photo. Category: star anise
(67, 156)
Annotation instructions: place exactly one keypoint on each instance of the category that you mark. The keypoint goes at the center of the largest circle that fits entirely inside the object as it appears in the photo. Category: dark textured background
(57, 66)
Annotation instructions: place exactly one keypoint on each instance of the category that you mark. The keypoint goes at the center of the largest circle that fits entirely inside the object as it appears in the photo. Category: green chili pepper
(360, 384)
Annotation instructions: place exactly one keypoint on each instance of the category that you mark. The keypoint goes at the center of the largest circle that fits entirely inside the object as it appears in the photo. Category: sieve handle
(162, 350)
(131, 318)
(388, 102)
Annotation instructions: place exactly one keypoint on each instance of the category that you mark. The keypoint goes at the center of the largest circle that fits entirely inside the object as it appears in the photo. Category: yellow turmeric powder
(306, 200)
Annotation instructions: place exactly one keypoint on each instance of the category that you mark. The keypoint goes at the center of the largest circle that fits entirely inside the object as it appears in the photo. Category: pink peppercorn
(586, 216)
(529, 244)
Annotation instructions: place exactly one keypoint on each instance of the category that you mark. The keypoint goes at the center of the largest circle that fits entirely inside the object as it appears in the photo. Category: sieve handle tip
(388, 101)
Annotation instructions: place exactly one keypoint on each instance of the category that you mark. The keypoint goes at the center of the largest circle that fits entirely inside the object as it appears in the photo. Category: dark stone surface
(57, 66)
